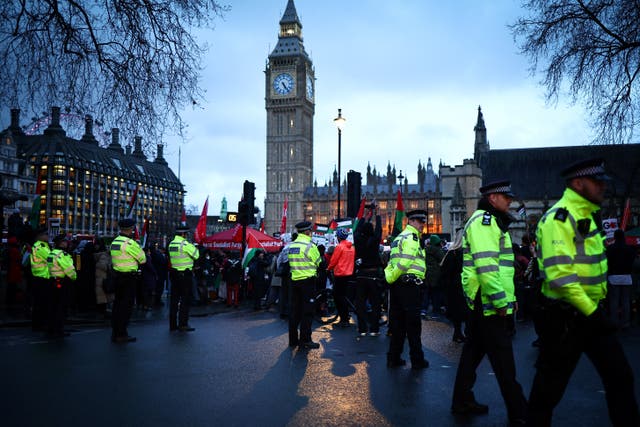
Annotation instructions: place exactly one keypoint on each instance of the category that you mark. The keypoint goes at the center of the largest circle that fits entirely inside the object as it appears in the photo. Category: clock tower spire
(289, 101)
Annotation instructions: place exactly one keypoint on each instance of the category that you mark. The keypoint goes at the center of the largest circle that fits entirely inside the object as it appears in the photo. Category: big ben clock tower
(289, 101)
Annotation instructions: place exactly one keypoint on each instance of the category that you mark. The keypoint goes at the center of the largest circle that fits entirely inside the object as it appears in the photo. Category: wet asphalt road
(237, 370)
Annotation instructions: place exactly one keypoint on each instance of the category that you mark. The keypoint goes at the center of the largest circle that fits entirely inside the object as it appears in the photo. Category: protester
(451, 270)
(102, 262)
(620, 257)
(342, 265)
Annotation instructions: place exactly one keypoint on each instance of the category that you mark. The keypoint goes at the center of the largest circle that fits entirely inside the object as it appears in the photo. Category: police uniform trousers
(59, 291)
(125, 285)
(41, 291)
(405, 321)
(302, 306)
(564, 336)
(490, 336)
(181, 284)
(367, 289)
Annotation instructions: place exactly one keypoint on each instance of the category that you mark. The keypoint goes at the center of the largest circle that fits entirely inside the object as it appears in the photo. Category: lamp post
(339, 121)
(400, 178)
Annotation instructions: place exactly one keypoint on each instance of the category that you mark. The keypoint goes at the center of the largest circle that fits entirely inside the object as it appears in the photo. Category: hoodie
(343, 259)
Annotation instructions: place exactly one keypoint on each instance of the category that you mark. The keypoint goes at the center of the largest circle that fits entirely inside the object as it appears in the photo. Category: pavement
(12, 317)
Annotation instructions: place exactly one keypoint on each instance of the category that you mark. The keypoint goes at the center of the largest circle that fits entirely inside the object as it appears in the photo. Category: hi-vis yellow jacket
(182, 254)
(304, 258)
(406, 257)
(487, 264)
(126, 254)
(571, 253)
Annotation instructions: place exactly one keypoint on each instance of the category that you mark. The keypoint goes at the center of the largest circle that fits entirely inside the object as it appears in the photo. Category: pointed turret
(290, 37)
(481, 145)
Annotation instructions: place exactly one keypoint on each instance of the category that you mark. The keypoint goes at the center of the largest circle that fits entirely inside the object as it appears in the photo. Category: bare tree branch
(591, 49)
(132, 64)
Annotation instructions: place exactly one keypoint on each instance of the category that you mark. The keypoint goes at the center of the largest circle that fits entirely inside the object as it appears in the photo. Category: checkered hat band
(503, 189)
(591, 170)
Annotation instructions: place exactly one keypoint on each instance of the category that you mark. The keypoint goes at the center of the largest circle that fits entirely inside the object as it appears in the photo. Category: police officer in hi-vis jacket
(573, 265)
(487, 282)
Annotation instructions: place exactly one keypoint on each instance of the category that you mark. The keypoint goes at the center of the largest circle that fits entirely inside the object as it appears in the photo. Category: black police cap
(593, 168)
(503, 186)
(126, 223)
(303, 226)
(419, 214)
(182, 229)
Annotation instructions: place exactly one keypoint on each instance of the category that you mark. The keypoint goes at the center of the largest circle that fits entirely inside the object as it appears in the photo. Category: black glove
(598, 323)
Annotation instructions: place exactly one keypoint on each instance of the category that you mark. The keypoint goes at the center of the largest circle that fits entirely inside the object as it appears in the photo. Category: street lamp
(339, 121)
(400, 178)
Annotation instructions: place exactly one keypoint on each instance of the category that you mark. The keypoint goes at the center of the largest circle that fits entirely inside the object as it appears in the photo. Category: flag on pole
(360, 214)
(397, 223)
(201, 229)
(283, 224)
(144, 233)
(35, 207)
(626, 215)
(132, 203)
(262, 225)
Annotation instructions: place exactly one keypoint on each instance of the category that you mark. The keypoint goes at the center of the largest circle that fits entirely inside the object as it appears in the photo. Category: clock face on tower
(309, 87)
(283, 84)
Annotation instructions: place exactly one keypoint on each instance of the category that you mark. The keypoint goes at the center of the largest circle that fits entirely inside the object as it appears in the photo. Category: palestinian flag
(360, 213)
(397, 223)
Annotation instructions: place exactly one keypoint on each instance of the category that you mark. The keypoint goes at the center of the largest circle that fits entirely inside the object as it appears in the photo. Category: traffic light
(243, 213)
(354, 189)
(248, 197)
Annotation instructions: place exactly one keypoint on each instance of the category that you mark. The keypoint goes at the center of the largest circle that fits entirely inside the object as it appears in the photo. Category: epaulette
(486, 218)
(561, 214)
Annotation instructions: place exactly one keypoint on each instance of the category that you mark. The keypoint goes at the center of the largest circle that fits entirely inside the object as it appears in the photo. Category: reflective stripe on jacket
(182, 254)
(126, 254)
(487, 264)
(571, 253)
(304, 258)
(39, 254)
(60, 264)
(406, 257)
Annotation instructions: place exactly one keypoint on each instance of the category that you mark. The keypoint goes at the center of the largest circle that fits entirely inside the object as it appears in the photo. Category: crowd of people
(561, 276)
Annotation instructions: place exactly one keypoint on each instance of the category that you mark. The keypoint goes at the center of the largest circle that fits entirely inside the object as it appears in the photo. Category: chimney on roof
(88, 130)
(54, 127)
(137, 149)
(160, 156)
(128, 150)
(15, 122)
(115, 140)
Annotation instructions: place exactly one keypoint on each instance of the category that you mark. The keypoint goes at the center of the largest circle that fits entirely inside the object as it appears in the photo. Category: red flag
(283, 224)
(201, 228)
(626, 215)
(262, 226)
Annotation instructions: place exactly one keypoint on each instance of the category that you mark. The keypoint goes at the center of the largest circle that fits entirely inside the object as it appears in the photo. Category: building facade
(86, 189)
(289, 101)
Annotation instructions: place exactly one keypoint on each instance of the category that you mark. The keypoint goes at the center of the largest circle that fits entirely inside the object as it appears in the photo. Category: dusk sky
(409, 76)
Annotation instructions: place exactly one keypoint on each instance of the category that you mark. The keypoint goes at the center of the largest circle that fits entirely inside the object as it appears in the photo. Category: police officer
(405, 274)
(573, 265)
(126, 257)
(61, 274)
(40, 279)
(487, 282)
(182, 254)
(304, 260)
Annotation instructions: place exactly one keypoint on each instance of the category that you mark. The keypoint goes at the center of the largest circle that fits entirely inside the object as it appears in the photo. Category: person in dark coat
(620, 258)
(451, 268)
(161, 265)
(258, 274)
